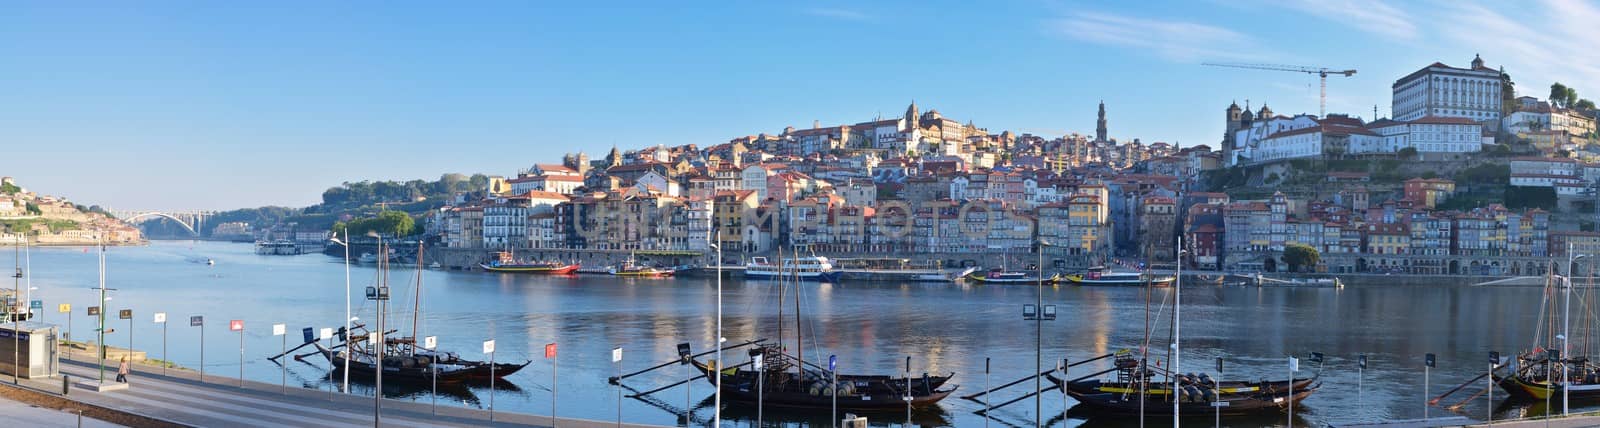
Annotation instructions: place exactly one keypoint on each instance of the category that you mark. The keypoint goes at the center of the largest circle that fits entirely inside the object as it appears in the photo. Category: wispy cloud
(1545, 44)
(1174, 40)
(834, 13)
(1372, 16)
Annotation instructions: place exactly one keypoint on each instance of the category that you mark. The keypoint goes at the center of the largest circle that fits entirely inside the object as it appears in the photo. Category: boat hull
(1158, 281)
(870, 393)
(540, 270)
(1240, 397)
(987, 280)
(831, 276)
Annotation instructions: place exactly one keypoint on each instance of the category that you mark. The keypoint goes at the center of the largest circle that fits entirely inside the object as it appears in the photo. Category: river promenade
(181, 398)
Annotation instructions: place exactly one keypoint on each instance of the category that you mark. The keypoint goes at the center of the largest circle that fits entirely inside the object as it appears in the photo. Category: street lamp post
(1566, 372)
(717, 401)
(347, 319)
(379, 294)
(16, 323)
(1177, 302)
(1038, 313)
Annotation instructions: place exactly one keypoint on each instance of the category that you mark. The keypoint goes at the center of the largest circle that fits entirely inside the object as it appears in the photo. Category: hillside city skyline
(538, 97)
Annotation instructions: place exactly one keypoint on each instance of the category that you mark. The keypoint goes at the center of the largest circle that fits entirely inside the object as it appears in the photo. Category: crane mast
(1321, 72)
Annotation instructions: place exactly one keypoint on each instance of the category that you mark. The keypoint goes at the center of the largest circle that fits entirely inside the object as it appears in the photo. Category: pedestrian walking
(122, 371)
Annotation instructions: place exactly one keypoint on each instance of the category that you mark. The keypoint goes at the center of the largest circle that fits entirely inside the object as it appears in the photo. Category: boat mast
(416, 302)
(799, 337)
(780, 301)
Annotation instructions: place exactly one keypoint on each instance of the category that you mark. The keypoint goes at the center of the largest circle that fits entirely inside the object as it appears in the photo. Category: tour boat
(630, 268)
(805, 268)
(1101, 275)
(508, 264)
(1000, 276)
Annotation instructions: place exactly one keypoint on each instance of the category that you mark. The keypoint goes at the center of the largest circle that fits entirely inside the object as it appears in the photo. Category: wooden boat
(402, 359)
(1195, 395)
(1540, 372)
(782, 382)
(1102, 276)
(628, 268)
(998, 276)
(789, 381)
(547, 268)
(508, 263)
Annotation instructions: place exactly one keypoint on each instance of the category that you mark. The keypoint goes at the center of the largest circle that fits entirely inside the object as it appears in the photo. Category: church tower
(615, 158)
(1234, 123)
(912, 117)
(1100, 125)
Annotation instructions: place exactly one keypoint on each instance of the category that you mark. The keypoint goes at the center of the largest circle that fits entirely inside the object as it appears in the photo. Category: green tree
(1584, 104)
(1570, 98)
(1407, 153)
(1301, 257)
(33, 209)
(10, 189)
(1558, 94)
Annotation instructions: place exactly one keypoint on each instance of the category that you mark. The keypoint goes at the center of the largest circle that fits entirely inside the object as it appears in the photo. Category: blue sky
(168, 105)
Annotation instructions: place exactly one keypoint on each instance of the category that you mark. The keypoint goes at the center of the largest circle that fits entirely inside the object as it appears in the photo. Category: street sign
(94, 310)
(1428, 360)
(488, 346)
(550, 350)
(126, 314)
(1362, 362)
(197, 320)
(616, 355)
(309, 334)
(833, 362)
(1494, 357)
(161, 317)
(327, 333)
(278, 329)
(236, 325)
(64, 308)
(36, 304)
(430, 342)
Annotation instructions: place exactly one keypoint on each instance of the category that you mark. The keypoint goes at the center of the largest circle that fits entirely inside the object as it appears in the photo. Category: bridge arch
(180, 221)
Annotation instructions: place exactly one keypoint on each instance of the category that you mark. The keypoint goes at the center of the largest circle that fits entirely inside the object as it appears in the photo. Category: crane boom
(1321, 72)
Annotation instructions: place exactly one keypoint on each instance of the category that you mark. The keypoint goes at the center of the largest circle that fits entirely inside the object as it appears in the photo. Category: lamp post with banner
(430, 343)
(378, 294)
(327, 334)
(281, 331)
(161, 318)
(488, 348)
(616, 360)
(200, 321)
(238, 325)
(550, 354)
(127, 314)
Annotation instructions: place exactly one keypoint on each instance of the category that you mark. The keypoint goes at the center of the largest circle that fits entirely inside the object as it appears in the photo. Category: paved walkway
(24, 415)
(182, 398)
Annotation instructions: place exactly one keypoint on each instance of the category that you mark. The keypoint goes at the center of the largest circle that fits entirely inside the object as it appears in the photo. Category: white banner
(758, 362)
(327, 333)
(278, 329)
(1294, 364)
(429, 342)
(373, 337)
(488, 346)
(161, 317)
(616, 355)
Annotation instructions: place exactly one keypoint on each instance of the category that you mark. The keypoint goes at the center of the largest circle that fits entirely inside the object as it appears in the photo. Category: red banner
(236, 325)
(550, 350)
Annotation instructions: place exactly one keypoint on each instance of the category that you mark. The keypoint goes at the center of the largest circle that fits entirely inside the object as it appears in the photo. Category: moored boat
(782, 382)
(999, 276)
(1100, 275)
(812, 268)
(508, 264)
(631, 268)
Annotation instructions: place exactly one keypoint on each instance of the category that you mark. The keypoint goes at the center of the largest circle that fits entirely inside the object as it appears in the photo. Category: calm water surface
(872, 327)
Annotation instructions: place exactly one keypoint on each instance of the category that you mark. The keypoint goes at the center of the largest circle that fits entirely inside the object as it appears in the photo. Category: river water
(871, 327)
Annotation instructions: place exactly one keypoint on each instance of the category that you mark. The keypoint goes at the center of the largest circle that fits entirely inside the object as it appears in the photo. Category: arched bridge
(191, 220)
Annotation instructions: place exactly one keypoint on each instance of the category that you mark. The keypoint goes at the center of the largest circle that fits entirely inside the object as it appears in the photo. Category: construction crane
(1321, 72)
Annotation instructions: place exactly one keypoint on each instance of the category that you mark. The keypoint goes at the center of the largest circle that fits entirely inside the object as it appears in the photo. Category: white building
(1442, 90)
(1540, 116)
(1430, 135)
